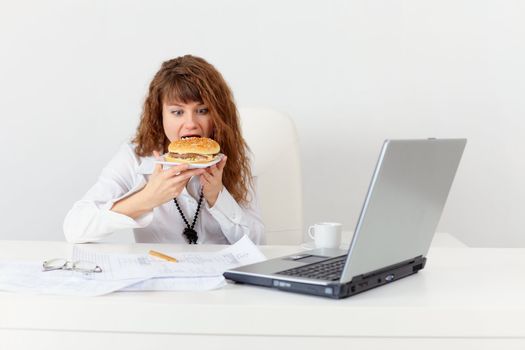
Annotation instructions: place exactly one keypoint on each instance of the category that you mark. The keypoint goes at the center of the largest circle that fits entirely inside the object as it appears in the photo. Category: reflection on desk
(465, 297)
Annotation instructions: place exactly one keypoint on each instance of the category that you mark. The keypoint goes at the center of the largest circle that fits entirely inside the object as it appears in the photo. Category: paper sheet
(142, 266)
(128, 272)
(28, 277)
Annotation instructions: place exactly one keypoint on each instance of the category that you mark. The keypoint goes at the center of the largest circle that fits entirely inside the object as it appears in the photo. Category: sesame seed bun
(199, 145)
(192, 150)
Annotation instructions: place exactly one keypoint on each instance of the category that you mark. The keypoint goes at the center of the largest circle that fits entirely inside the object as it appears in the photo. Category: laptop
(402, 208)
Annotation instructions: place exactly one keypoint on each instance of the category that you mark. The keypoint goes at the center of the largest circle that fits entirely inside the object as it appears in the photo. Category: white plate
(192, 166)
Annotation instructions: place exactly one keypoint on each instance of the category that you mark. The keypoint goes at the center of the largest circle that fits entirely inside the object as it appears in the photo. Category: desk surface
(462, 292)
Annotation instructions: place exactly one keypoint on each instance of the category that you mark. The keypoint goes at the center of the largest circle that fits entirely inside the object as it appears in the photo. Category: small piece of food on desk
(192, 150)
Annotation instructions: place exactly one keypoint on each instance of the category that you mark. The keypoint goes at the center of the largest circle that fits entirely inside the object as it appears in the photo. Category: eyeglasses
(63, 264)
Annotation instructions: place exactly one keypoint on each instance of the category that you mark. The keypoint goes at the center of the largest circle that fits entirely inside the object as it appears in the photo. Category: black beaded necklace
(189, 232)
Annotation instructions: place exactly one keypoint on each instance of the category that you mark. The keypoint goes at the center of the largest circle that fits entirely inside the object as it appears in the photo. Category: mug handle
(310, 232)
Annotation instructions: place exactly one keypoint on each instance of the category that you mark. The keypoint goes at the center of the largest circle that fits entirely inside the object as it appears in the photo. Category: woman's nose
(190, 120)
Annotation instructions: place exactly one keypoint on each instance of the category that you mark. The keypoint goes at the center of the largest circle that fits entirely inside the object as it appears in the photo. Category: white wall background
(73, 76)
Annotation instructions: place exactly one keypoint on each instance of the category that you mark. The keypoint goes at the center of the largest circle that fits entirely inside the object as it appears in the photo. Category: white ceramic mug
(326, 234)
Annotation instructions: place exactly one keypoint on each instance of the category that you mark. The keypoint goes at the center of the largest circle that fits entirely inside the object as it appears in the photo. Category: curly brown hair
(191, 79)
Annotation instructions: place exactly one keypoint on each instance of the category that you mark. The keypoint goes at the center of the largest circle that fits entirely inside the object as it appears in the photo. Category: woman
(187, 97)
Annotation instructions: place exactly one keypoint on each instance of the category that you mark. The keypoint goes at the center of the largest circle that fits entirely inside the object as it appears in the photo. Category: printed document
(129, 272)
(143, 266)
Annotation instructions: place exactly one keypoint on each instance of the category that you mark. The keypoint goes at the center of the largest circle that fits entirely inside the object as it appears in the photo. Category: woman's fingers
(212, 170)
(176, 170)
(205, 181)
(217, 168)
(157, 169)
(193, 172)
(178, 182)
(222, 163)
(185, 175)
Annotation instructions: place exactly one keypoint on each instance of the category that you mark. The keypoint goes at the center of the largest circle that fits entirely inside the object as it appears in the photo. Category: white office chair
(272, 138)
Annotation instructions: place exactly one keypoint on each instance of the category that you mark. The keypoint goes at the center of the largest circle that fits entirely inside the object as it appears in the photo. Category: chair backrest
(272, 139)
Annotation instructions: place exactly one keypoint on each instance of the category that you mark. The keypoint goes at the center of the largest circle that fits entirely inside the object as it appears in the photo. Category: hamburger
(192, 150)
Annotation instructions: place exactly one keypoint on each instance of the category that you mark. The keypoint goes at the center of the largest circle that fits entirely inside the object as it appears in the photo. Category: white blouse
(90, 219)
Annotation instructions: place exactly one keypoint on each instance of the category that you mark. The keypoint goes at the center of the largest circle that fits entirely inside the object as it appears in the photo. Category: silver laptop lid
(404, 202)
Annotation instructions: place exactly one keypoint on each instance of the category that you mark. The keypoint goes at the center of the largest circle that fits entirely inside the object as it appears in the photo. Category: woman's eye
(203, 111)
(177, 112)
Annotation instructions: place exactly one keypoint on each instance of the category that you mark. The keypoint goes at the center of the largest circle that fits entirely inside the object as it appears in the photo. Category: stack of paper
(130, 272)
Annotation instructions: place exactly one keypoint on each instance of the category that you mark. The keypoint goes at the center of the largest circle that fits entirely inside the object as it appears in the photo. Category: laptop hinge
(381, 276)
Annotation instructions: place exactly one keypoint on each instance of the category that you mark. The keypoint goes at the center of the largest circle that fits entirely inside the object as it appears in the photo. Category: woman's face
(186, 120)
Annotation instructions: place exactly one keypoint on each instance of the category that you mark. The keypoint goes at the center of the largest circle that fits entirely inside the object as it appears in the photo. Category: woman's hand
(211, 181)
(164, 185)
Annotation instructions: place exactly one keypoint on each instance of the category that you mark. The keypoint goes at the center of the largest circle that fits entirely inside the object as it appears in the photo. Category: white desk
(464, 298)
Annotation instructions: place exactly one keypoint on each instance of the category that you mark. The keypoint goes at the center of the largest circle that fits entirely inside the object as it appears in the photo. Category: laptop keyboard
(324, 270)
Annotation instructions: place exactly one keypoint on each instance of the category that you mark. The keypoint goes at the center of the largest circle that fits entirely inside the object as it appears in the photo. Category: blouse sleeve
(91, 219)
(238, 220)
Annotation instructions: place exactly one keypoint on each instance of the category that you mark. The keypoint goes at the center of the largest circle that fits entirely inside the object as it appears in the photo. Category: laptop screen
(404, 202)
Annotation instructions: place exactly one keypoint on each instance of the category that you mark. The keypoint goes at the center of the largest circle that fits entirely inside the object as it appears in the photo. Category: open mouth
(188, 136)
